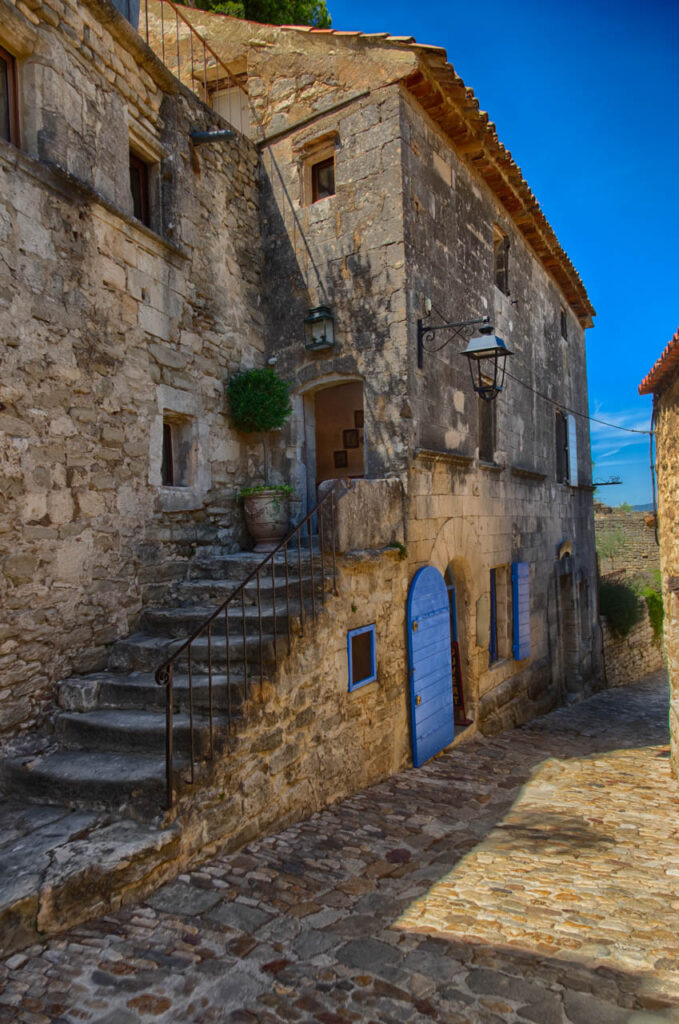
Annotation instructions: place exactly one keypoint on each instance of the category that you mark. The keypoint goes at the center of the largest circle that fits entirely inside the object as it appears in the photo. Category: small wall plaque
(341, 459)
(350, 438)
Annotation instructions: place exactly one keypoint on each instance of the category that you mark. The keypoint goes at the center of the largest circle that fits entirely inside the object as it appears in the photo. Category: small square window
(9, 99)
(323, 179)
(139, 186)
(178, 457)
(362, 657)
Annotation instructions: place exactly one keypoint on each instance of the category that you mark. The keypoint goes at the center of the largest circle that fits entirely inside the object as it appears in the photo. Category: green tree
(272, 12)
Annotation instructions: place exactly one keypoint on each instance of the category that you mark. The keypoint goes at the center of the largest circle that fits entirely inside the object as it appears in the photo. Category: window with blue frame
(362, 657)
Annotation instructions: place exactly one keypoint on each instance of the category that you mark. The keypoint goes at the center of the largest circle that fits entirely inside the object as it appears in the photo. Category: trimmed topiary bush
(259, 400)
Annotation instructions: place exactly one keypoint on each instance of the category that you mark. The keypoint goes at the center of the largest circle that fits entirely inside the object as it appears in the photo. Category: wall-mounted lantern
(319, 329)
(487, 355)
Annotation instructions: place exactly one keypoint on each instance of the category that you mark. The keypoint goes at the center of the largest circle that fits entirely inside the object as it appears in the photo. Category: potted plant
(260, 402)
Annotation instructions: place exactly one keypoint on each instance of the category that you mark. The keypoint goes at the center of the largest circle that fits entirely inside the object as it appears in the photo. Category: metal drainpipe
(218, 135)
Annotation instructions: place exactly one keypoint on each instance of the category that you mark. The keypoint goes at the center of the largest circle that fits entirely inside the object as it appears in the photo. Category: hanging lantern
(487, 355)
(319, 329)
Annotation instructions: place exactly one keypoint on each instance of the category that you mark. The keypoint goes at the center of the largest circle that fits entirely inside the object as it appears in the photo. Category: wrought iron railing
(188, 55)
(307, 555)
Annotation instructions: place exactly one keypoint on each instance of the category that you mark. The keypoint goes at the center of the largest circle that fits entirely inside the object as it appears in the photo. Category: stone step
(140, 732)
(79, 778)
(181, 622)
(139, 691)
(213, 591)
(144, 652)
(237, 567)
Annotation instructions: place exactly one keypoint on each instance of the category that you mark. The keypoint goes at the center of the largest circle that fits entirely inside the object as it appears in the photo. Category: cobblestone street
(530, 877)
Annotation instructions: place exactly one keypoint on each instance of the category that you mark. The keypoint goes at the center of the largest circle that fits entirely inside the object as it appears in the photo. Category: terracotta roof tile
(664, 371)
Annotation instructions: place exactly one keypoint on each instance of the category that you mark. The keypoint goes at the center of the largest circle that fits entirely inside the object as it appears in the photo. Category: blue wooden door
(431, 691)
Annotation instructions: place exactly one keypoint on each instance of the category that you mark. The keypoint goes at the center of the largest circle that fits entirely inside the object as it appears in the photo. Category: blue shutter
(521, 609)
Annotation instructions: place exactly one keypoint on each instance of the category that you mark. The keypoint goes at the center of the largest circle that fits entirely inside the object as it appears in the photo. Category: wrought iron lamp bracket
(426, 332)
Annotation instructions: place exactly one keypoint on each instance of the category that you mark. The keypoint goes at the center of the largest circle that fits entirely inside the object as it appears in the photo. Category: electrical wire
(558, 405)
(574, 412)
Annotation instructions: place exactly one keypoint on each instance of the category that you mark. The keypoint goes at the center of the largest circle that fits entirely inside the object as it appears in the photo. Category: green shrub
(621, 605)
(259, 400)
(656, 612)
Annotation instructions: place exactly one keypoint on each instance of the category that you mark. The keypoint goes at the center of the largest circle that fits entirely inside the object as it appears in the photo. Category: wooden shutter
(572, 452)
(521, 609)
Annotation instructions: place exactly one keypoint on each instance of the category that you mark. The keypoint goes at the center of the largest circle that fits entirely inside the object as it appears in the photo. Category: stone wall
(307, 741)
(471, 512)
(634, 656)
(667, 446)
(106, 324)
(345, 252)
(625, 540)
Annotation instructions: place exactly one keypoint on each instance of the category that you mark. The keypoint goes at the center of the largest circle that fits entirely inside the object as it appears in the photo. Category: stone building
(142, 268)
(663, 383)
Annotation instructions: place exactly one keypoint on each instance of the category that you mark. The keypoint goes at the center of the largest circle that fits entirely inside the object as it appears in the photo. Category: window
(499, 642)
(566, 449)
(564, 323)
(501, 259)
(323, 179)
(139, 186)
(361, 656)
(9, 100)
(521, 610)
(178, 458)
(487, 423)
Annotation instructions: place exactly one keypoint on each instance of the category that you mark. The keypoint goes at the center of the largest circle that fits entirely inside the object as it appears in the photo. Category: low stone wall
(625, 539)
(630, 657)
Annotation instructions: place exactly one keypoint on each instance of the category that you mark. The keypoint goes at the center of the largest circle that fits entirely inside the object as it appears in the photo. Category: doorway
(338, 419)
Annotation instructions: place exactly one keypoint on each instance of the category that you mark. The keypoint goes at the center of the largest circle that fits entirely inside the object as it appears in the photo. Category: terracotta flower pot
(267, 517)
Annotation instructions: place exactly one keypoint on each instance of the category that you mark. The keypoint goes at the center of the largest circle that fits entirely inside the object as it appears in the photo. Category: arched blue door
(431, 692)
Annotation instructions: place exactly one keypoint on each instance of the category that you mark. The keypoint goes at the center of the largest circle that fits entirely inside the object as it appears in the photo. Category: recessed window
(499, 645)
(486, 430)
(561, 439)
(323, 179)
(361, 656)
(178, 458)
(564, 323)
(9, 100)
(501, 259)
(139, 186)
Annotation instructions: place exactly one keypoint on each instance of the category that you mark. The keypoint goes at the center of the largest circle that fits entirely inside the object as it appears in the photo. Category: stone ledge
(57, 178)
(444, 455)
(528, 474)
(491, 467)
(60, 867)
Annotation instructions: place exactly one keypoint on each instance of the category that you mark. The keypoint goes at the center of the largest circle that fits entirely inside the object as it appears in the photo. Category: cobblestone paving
(531, 877)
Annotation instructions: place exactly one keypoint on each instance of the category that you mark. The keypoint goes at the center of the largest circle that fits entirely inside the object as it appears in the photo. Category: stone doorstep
(60, 867)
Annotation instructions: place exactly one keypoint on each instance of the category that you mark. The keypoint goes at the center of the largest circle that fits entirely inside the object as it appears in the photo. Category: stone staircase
(107, 751)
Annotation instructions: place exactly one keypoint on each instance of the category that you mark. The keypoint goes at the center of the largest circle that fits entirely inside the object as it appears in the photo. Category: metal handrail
(196, 50)
(165, 673)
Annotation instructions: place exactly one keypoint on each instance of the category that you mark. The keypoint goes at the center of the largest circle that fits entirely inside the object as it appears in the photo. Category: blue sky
(585, 95)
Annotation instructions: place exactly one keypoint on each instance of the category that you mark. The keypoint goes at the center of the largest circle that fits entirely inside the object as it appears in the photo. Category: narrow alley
(528, 877)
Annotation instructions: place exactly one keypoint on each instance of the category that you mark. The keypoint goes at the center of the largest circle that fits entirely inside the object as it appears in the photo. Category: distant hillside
(648, 507)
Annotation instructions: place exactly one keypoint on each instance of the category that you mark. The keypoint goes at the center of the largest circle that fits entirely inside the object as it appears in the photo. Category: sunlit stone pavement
(531, 877)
